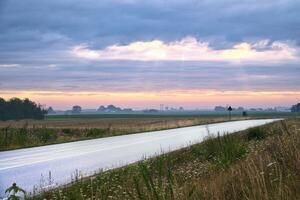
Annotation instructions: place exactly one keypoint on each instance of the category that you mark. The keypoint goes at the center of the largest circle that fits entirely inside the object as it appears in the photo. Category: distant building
(68, 112)
(256, 109)
(76, 109)
(150, 111)
(240, 109)
(127, 110)
(90, 110)
(283, 109)
(50, 110)
(270, 110)
(220, 108)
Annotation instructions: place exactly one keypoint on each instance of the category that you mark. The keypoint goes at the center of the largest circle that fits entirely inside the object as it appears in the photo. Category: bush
(21, 136)
(46, 135)
(67, 131)
(95, 132)
(256, 133)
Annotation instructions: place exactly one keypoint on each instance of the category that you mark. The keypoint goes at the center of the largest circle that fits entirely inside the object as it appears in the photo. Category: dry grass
(29, 133)
(117, 123)
(269, 169)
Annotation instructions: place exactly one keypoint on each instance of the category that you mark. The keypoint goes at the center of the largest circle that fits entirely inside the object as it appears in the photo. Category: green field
(182, 114)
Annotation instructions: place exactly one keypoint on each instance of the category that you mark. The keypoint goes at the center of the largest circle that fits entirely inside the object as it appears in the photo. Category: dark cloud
(150, 76)
(106, 22)
(38, 35)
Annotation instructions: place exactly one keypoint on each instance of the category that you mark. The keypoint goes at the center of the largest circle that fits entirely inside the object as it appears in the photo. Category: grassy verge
(260, 163)
(37, 133)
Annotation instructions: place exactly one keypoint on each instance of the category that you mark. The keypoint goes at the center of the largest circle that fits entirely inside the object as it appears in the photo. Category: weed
(223, 150)
(256, 133)
(94, 132)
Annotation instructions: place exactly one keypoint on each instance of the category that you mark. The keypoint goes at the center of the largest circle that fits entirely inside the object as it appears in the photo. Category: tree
(15, 109)
(2, 109)
(101, 109)
(296, 108)
(76, 109)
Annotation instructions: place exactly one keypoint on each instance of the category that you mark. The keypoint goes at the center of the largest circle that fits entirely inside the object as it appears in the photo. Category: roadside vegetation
(29, 133)
(259, 163)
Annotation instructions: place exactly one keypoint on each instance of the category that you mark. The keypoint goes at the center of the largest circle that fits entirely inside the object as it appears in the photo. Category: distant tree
(245, 114)
(16, 109)
(296, 108)
(112, 108)
(76, 109)
(101, 109)
(2, 109)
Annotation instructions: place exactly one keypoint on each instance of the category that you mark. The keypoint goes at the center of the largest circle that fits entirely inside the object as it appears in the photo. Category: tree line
(15, 109)
(296, 108)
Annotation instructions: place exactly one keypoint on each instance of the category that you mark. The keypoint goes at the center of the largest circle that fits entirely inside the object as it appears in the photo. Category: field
(67, 128)
(59, 129)
(260, 163)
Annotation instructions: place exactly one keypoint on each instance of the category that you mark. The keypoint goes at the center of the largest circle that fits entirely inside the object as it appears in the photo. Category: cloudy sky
(141, 53)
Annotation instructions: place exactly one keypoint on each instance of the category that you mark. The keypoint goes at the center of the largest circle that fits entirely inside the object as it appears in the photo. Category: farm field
(67, 128)
(60, 129)
(123, 120)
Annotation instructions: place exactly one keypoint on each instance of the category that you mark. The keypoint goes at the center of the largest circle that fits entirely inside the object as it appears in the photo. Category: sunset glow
(138, 100)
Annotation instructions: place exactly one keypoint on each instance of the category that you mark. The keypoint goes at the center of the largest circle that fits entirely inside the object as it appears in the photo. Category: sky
(143, 53)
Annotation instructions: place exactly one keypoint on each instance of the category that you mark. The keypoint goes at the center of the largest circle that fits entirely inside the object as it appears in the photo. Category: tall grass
(256, 133)
(224, 150)
(271, 171)
(11, 138)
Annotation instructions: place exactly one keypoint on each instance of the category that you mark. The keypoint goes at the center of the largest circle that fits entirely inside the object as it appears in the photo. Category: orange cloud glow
(188, 99)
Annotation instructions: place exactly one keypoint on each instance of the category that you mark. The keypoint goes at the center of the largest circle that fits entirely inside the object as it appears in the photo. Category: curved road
(30, 167)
